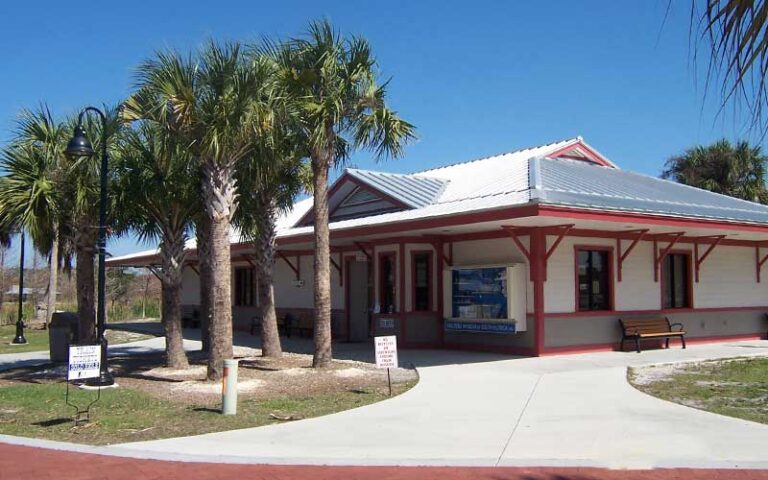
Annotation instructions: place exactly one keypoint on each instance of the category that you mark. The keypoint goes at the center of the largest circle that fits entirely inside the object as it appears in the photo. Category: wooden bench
(648, 328)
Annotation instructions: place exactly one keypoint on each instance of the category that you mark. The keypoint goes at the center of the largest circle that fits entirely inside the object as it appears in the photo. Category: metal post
(229, 388)
(19, 339)
(105, 377)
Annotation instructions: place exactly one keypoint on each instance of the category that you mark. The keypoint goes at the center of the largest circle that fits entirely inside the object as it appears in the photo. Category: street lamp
(19, 339)
(79, 146)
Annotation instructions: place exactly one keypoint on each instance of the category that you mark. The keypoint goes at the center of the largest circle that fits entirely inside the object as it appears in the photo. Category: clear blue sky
(476, 79)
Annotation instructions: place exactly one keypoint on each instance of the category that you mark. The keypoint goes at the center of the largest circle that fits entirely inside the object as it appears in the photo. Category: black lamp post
(19, 339)
(79, 146)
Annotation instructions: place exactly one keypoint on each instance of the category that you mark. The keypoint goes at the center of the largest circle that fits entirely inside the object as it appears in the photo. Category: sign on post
(386, 351)
(84, 362)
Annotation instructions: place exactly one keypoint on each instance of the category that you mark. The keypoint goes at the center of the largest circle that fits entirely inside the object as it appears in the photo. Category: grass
(736, 388)
(126, 415)
(38, 339)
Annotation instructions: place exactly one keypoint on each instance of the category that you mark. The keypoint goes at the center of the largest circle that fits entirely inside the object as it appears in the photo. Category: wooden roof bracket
(155, 272)
(659, 257)
(296, 268)
(563, 230)
(337, 266)
(622, 255)
(759, 261)
(361, 247)
(698, 260)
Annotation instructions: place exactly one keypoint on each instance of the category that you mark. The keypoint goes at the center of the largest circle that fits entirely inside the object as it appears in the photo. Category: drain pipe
(229, 388)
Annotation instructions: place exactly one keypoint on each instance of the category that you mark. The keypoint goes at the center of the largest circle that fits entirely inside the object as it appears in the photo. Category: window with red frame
(677, 281)
(422, 282)
(387, 283)
(594, 280)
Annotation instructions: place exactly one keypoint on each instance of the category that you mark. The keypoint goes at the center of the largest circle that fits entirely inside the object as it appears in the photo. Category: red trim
(622, 256)
(296, 268)
(591, 153)
(607, 347)
(659, 257)
(338, 268)
(308, 217)
(611, 283)
(430, 280)
(688, 287)
(392, 254)
(440, 293)
(759, 261)
(669, 311)
(401, 277)
(644, 218)
(700, 259)
(537, 266)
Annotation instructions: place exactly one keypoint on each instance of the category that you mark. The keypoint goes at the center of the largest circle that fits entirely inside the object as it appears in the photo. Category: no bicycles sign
(386, 351)
(84, 362)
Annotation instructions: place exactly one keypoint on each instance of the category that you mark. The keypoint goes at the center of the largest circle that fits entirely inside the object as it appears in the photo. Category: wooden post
(536, 261)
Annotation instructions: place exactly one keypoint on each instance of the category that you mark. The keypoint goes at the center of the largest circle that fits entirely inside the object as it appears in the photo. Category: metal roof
(413, 190)
(575, 183)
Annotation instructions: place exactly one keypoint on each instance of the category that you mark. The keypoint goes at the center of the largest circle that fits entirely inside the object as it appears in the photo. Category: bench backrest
(645, 325)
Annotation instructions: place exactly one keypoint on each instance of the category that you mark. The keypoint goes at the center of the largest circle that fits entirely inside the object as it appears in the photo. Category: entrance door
(358, 300)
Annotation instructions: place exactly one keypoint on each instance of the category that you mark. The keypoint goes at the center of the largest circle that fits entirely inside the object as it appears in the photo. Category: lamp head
(79, 146)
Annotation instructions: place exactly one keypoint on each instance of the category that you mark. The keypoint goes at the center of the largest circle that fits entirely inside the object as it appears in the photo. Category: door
(359, 304)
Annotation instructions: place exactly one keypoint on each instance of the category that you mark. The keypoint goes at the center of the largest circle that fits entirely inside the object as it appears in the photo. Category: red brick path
(25, 463)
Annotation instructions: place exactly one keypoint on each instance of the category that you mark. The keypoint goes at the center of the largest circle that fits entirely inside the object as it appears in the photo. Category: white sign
(84, 361)
(386, 351)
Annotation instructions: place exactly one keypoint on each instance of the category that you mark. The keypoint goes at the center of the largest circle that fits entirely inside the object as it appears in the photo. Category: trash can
(62, 331)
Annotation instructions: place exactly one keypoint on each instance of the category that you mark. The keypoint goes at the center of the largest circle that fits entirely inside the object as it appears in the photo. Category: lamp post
(79, 146)
(19, 339)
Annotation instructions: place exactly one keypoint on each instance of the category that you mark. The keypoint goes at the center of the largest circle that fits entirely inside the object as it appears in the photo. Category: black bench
(647, 328)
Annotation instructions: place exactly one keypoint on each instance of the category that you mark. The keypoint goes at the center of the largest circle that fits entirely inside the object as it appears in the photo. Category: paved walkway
(40, 464)
(486, 410)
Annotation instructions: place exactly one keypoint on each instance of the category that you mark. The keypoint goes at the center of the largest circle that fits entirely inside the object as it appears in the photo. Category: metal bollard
(229, 388)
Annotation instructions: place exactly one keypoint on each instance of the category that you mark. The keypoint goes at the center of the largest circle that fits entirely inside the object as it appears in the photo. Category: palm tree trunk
(202, 230)
(322, 266)
(172, 254)
(265, 257)
(53, 278)
(85, 281)
(219, 192)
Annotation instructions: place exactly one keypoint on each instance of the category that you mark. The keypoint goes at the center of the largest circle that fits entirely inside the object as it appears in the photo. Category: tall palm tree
(269, 180)
(31, 194)
(332, 82)
(158, 197)
(212, 101)
(735, 170)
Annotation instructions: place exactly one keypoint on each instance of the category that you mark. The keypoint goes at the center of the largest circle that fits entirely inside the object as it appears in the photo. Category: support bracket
(659, 257)
(337, 266)
(698, 260)
(759, 262)
(361, 247)
(561, 232)
(295, 268)
(622, 255)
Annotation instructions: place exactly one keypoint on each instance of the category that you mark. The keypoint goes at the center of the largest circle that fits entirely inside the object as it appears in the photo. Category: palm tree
(332, 82)
(31, 195)
(735, 33)
(158, 197)
(735, 170)
(213, 102)
(269, 181)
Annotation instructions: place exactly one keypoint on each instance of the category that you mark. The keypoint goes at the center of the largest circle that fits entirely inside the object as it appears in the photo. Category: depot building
(532, 252)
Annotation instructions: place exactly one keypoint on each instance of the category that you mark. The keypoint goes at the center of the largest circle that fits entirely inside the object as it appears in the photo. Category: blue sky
(476, 78)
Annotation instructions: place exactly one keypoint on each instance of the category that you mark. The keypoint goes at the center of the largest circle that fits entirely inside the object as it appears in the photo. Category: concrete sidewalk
(552, 411)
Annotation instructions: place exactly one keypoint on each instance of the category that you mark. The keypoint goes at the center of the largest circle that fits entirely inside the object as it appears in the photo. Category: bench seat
(642, 328)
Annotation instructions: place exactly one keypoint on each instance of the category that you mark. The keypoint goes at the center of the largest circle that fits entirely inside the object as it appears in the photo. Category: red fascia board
(591, 153)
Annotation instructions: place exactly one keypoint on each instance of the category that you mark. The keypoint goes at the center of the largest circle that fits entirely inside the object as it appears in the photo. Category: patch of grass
(127, 415)
(38, 339)
(737, 387)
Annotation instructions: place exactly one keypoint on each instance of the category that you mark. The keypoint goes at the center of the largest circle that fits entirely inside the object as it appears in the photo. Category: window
(594, 280)
(244, 287)
(422, 282)
(479, 293)
(387, 283)
(676, 281)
